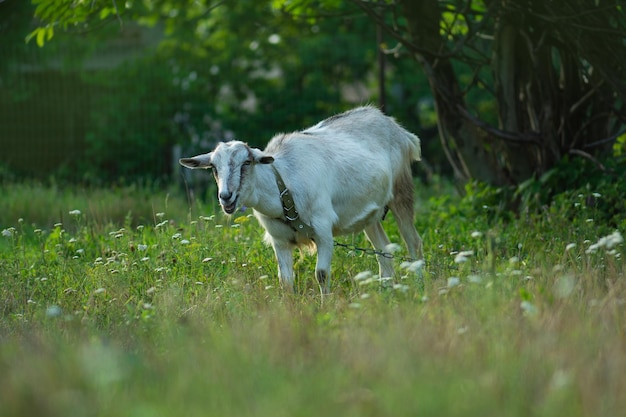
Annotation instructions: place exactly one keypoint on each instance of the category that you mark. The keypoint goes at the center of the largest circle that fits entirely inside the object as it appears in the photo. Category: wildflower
(100, 291)
(564, 286)
(476, 234)
(596, 195)
(140, 227)
(145, 259)
(141, 247)
(401, 287)
(453, 282)
(176, 236)
(363, 275)
(365, 296)
(608, 242)
(462, 256)
(528, 308)
(8, 232)
(53, 311)
(570, 246)
(207, 260)
(80, 251)
(354, 305)
(392, 248)
(184, 242)
(474, 279)
(160, 215)
(75, 213)
(414, 267)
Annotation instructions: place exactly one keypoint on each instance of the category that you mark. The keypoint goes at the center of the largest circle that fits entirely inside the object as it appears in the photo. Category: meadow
(133, 302)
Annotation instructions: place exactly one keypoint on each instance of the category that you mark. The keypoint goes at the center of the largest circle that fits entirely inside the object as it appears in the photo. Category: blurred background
(122, 100)
(502, 92)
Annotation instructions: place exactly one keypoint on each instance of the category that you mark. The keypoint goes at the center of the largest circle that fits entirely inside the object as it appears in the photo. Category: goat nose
(225, 195)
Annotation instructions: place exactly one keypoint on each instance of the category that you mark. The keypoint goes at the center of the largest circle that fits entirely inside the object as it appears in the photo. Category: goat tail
(415, 148)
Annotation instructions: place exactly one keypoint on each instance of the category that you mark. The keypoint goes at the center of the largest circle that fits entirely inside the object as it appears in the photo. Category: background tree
(556, 71)
(518, 85)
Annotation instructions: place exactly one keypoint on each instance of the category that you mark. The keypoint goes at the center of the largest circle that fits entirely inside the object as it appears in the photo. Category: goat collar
(292, 217)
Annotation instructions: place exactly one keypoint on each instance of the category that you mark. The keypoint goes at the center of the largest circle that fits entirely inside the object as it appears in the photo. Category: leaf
(105, 12)
(41, 34)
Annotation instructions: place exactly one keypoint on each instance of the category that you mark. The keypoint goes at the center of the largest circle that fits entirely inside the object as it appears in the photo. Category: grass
(137, 305)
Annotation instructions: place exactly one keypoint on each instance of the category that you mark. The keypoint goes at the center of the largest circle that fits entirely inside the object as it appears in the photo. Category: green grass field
(128, 302)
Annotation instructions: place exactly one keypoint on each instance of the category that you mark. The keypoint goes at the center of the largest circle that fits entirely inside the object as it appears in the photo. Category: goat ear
(260, 157)
(197, 162)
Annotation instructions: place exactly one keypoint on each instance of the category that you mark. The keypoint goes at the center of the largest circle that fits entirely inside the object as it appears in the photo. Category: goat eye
(246, 163)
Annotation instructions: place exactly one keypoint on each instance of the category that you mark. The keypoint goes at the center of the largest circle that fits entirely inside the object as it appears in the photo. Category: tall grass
(177, 312)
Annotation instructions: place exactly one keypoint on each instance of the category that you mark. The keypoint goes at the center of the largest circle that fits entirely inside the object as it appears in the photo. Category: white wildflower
(205, 260)
(8, 232)
(392, 248)
(160, 215)
(570, 246)
(141, 247)
(184, 242)
(74, 212)
(453, 282)
(53, 311)
(474, 279)
(528, 308)
(476, 234)
(463, 256)
(176, 236)
(414, 267)
(363, 275)
(608, 242)
(401, 287)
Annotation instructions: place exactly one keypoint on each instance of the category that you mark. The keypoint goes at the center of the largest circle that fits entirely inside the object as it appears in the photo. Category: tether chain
(370, 251)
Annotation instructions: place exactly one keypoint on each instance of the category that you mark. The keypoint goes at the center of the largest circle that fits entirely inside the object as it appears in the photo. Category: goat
(342, 175)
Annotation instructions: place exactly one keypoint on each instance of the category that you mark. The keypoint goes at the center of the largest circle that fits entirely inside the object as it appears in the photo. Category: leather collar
(290, 213)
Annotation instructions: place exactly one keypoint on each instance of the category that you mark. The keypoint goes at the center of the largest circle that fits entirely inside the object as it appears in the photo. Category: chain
(370, 251)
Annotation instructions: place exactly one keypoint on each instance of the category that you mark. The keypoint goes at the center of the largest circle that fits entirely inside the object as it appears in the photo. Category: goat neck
(264, 195)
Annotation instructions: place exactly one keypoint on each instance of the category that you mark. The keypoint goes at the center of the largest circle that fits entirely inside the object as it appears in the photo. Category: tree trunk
(467, 147)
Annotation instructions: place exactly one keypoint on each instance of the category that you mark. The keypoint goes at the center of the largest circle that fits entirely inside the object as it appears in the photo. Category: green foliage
(131, 129)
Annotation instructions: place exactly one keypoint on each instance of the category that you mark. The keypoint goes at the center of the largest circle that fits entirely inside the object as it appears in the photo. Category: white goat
(342, 174)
